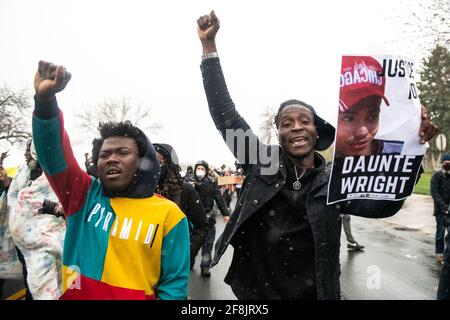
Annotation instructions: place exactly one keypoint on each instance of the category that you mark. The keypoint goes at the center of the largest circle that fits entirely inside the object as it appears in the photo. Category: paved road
(397, 263)
(212, 288)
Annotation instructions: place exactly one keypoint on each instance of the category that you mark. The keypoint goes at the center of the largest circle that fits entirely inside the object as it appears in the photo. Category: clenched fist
(207, 27)
(50, 79)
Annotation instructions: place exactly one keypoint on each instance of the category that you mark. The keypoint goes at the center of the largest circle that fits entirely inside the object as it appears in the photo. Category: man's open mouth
(112, 172)
(298, 141)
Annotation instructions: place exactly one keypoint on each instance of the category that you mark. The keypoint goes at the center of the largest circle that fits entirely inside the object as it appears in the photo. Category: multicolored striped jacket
(129, 247)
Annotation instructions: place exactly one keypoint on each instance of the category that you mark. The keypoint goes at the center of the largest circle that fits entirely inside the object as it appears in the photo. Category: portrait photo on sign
(377, 151)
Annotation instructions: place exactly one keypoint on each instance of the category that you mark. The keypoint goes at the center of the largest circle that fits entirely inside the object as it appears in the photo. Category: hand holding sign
(427, 128)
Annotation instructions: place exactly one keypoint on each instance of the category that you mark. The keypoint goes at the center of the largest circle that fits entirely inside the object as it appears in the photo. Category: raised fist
(207, 27)
(50, 79)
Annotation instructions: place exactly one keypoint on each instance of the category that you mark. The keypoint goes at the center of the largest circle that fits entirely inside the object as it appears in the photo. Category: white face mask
(200, 174)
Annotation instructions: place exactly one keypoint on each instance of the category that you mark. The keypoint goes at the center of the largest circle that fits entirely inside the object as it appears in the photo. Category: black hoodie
(184, 195)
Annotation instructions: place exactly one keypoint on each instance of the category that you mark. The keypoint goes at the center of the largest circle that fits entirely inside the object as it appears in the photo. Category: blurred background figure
(440, 191)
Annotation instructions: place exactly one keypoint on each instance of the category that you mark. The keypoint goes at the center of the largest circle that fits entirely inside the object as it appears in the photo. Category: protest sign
(377, 150)
(230, 180)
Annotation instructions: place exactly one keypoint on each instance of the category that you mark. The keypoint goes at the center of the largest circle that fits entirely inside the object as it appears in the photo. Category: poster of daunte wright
(377, 151)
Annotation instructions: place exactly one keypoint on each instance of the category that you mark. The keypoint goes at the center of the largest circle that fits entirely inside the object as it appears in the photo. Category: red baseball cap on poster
(361, 76)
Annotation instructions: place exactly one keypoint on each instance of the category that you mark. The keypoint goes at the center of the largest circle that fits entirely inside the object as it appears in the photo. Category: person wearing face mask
(440, 192)
(209, 192)
(39, 238)
(171, 186)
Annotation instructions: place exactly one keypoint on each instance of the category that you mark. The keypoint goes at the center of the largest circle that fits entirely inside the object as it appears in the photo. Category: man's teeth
(298, 141)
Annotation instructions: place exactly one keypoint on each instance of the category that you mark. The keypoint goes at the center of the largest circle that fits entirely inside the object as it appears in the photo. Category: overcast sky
(149, 51)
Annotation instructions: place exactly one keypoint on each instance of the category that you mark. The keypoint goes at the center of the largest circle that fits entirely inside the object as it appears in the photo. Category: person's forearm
(221, 203)
(209, 47)
(55, 155)
(373, 208)
(45, 108)
(221, 106)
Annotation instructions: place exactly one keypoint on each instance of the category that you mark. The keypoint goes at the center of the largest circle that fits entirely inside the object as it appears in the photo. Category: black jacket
(185, 197)
(259, 187)
(208, 191)
(193, 209)
(440, 191)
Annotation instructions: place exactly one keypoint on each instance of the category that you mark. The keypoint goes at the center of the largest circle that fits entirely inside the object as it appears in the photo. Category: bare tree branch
(15, 115)
(424, 26)
(116, 110)
(267, 128)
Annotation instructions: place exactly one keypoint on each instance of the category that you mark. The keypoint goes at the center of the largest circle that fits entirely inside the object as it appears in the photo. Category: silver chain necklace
(297, 185)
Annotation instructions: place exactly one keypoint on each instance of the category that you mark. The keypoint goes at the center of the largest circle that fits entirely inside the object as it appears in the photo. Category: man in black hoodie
(172, 187)
(209, 192)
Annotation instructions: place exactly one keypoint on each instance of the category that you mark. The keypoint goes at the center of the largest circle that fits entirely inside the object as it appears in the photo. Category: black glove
(51, 207)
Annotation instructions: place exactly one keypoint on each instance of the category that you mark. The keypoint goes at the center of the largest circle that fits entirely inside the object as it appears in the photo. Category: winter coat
(130, 244)
(440, 192)
(185, 197)
(259, 187)
(209, 192)
(40, 237)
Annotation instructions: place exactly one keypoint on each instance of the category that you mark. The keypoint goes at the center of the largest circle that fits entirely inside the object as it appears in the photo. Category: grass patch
(423, 186)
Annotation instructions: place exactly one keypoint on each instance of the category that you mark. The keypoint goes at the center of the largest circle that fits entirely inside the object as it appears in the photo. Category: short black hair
(289, 102)
(120, 129)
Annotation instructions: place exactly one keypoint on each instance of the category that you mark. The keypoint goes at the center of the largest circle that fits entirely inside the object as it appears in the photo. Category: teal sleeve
(175, 263)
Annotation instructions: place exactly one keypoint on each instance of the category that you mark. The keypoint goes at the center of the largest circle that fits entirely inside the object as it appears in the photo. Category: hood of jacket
(168, 152)
(205, 165)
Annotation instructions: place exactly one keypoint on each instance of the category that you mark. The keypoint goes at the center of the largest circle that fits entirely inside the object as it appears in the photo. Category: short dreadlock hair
(277, 117)
(120, 129)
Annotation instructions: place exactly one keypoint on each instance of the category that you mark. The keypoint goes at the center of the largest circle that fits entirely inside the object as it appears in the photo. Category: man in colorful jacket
(122, 240)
